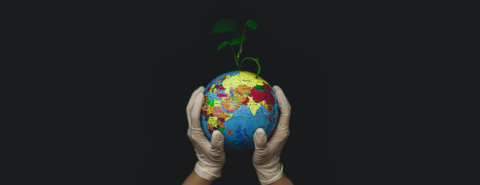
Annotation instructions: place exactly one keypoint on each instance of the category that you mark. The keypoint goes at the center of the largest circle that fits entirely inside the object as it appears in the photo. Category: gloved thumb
(260, 140)
(217, 140)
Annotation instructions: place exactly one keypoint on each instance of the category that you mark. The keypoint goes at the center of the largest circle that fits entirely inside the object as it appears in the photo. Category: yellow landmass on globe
(228, 117)
(231, 81)
(254, 106)
(217, 103)
(248, 78)
(244, 77)
(212, 121)
(209, 110)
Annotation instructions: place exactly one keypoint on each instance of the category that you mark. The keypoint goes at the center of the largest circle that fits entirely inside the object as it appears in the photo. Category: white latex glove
(211, 156)
(267, 155)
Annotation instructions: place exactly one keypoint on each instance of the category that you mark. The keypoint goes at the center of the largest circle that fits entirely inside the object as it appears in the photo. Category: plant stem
(258, 63)
(241, 44)
(236, 60)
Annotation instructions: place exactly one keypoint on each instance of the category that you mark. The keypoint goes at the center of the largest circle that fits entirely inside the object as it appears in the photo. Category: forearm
(194, 179)
(283, 181)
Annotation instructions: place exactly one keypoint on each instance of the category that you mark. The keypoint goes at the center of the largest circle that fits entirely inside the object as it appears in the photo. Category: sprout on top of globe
(238, 102)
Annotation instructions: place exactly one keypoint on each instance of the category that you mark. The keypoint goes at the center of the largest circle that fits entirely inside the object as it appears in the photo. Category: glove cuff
(203, 173)
(269, 176)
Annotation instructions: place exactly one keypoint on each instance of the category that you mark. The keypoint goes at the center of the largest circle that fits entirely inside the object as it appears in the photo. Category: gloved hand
(266, 156)
(211, 156)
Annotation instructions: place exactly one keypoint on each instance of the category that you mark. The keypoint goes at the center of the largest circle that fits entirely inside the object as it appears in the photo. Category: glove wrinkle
(274, 173)
(196, 130)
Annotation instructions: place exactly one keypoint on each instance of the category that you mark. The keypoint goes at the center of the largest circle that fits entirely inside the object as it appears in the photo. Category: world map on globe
(236, 103)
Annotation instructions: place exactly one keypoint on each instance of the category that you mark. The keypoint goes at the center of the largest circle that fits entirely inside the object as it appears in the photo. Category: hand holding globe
(266, 158)
(238, 111)
(211, 156)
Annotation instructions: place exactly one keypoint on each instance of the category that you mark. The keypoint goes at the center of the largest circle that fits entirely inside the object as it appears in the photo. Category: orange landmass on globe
(222, 117)
(228, 105)
(264, 103)
(237, 98)
(210, 127)
(242, 89)
(220, 123)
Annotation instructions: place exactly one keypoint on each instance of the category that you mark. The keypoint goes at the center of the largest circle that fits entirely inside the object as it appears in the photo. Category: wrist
(207, 172)
(269, 174)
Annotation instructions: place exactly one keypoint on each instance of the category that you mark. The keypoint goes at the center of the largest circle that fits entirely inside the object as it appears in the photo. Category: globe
(236, 104)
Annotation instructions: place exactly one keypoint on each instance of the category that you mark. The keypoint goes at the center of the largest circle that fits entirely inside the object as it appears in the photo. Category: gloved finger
(285, 108)
(287, 103)
(196, 110)
(260, 141)
(282, 131)
(217, 141)
(195, 127)
(191, 102)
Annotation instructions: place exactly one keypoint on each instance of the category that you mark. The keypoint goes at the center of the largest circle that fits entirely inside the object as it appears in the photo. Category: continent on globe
(236, 103)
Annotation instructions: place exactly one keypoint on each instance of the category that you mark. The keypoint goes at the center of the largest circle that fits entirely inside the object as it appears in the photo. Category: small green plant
(227, 25)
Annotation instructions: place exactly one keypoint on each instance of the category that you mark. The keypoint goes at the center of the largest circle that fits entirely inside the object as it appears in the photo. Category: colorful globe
(236, 103)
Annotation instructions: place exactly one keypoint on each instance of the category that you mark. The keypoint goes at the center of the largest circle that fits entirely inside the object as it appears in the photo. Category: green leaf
(252, 24)
(224, 25)
(223, 45)
(237, 39)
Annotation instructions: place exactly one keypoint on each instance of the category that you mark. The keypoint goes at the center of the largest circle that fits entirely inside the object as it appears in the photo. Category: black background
(299, 47)
(78, 64)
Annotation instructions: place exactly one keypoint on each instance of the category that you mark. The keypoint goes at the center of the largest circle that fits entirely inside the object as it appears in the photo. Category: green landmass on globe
(237, 103)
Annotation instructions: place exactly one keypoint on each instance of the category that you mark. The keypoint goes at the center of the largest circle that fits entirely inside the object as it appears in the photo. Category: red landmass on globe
(259, 96)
